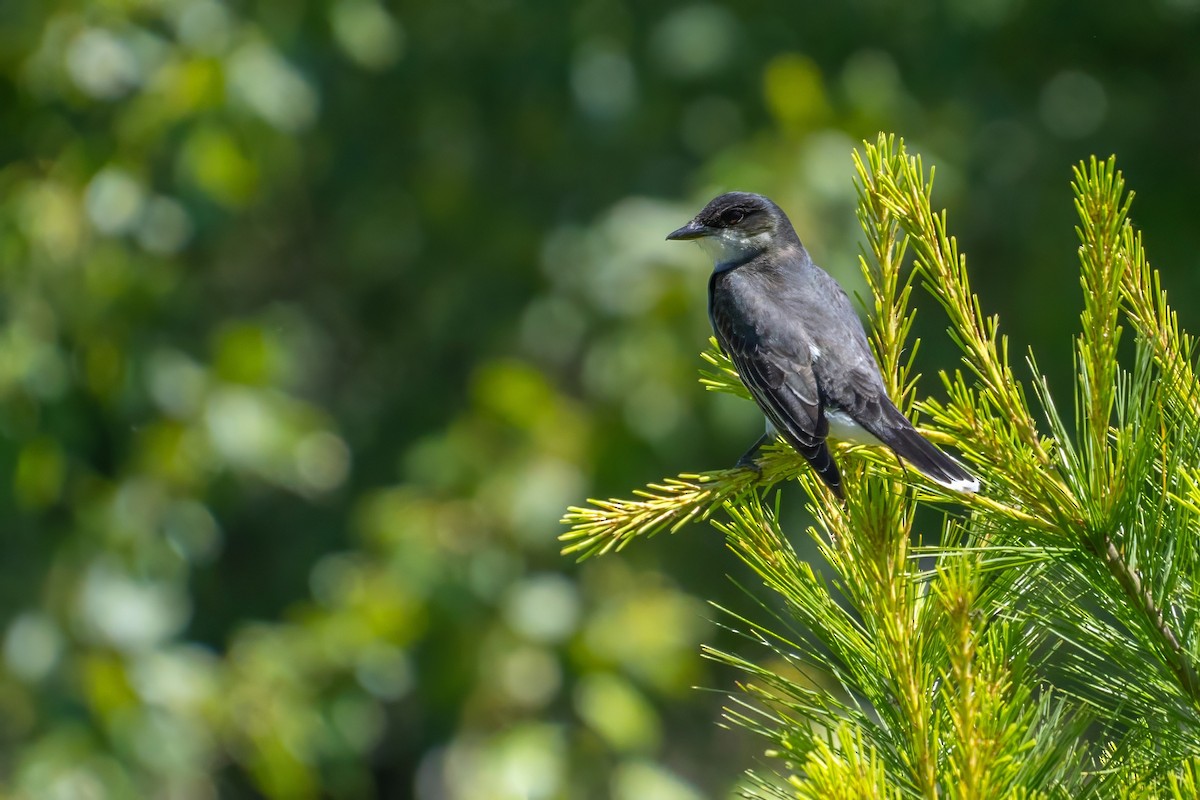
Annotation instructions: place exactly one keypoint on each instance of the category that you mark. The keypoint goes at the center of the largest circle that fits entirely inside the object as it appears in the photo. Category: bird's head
(736, 226)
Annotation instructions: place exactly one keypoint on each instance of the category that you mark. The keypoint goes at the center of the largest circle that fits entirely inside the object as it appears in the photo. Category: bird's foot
(749, 459)
(749, 462)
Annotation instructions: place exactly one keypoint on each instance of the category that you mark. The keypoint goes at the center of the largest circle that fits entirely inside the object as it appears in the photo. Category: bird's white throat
(731, 246)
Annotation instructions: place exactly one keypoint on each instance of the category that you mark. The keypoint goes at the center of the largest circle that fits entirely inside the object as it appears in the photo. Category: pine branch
(1131, 581)
(1106, 235)
(990, 422)
(609, 525)
(1074, 564)
(897, 183)
(892, 315)
(1145, 304)
(1103, 209)
(1077, 510)
(723, 377)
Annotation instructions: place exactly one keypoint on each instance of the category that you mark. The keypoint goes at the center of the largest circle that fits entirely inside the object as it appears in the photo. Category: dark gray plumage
(797, 344)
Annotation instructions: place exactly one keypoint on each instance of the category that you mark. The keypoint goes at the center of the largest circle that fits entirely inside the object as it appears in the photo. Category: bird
(798, 345)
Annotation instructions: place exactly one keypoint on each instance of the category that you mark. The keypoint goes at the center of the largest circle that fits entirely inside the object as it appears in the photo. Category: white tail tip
(964, 486)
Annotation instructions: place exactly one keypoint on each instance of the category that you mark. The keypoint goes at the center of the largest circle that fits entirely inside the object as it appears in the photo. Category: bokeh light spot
(695, 40)
(165, 226)
(367, 33)
(51, 216)
(385, 672)
(114, 200)
(795, 92)
(322, 461)
(192, 531)
(204, 25)
(873, 84)
(243, 427)
(530, 676)
(543, 608)
(612, 707)
(603, 81)
(101, 64)
(41, 469)
(214, 161)
(176, 382)
(32, 646)
(642, 779)
(128, 614)
(1073, 104)
(266, 83)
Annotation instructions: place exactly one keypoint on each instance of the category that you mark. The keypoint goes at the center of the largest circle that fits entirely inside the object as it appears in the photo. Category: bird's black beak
(693, 230)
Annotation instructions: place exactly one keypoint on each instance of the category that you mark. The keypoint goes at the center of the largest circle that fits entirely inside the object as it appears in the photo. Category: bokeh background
(315, 315)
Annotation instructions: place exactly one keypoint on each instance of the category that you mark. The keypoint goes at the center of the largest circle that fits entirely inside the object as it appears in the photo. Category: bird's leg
(749, 459)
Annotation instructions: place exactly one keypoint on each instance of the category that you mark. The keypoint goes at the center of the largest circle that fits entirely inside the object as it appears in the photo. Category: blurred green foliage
(314, 315)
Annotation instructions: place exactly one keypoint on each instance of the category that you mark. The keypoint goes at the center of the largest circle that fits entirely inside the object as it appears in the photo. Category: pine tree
(1042, 641)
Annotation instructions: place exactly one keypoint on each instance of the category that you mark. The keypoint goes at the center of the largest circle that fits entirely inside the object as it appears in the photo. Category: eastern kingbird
(797, 344)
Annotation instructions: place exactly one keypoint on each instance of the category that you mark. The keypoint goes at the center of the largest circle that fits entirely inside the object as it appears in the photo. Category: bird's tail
(927, 459)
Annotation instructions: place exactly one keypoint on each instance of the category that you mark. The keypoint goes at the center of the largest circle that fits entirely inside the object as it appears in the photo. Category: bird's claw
(748, 462)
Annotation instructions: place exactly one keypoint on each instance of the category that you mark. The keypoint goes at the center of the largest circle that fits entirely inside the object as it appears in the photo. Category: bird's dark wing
(858, 390)
(862, 396)
(783, 385)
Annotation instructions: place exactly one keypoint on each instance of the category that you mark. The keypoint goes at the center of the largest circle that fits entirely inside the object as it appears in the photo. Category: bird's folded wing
(787, 392)
(862, 396)
(780, 379)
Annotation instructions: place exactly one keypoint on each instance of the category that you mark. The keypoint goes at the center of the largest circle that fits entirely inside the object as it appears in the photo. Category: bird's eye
(733, 216)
